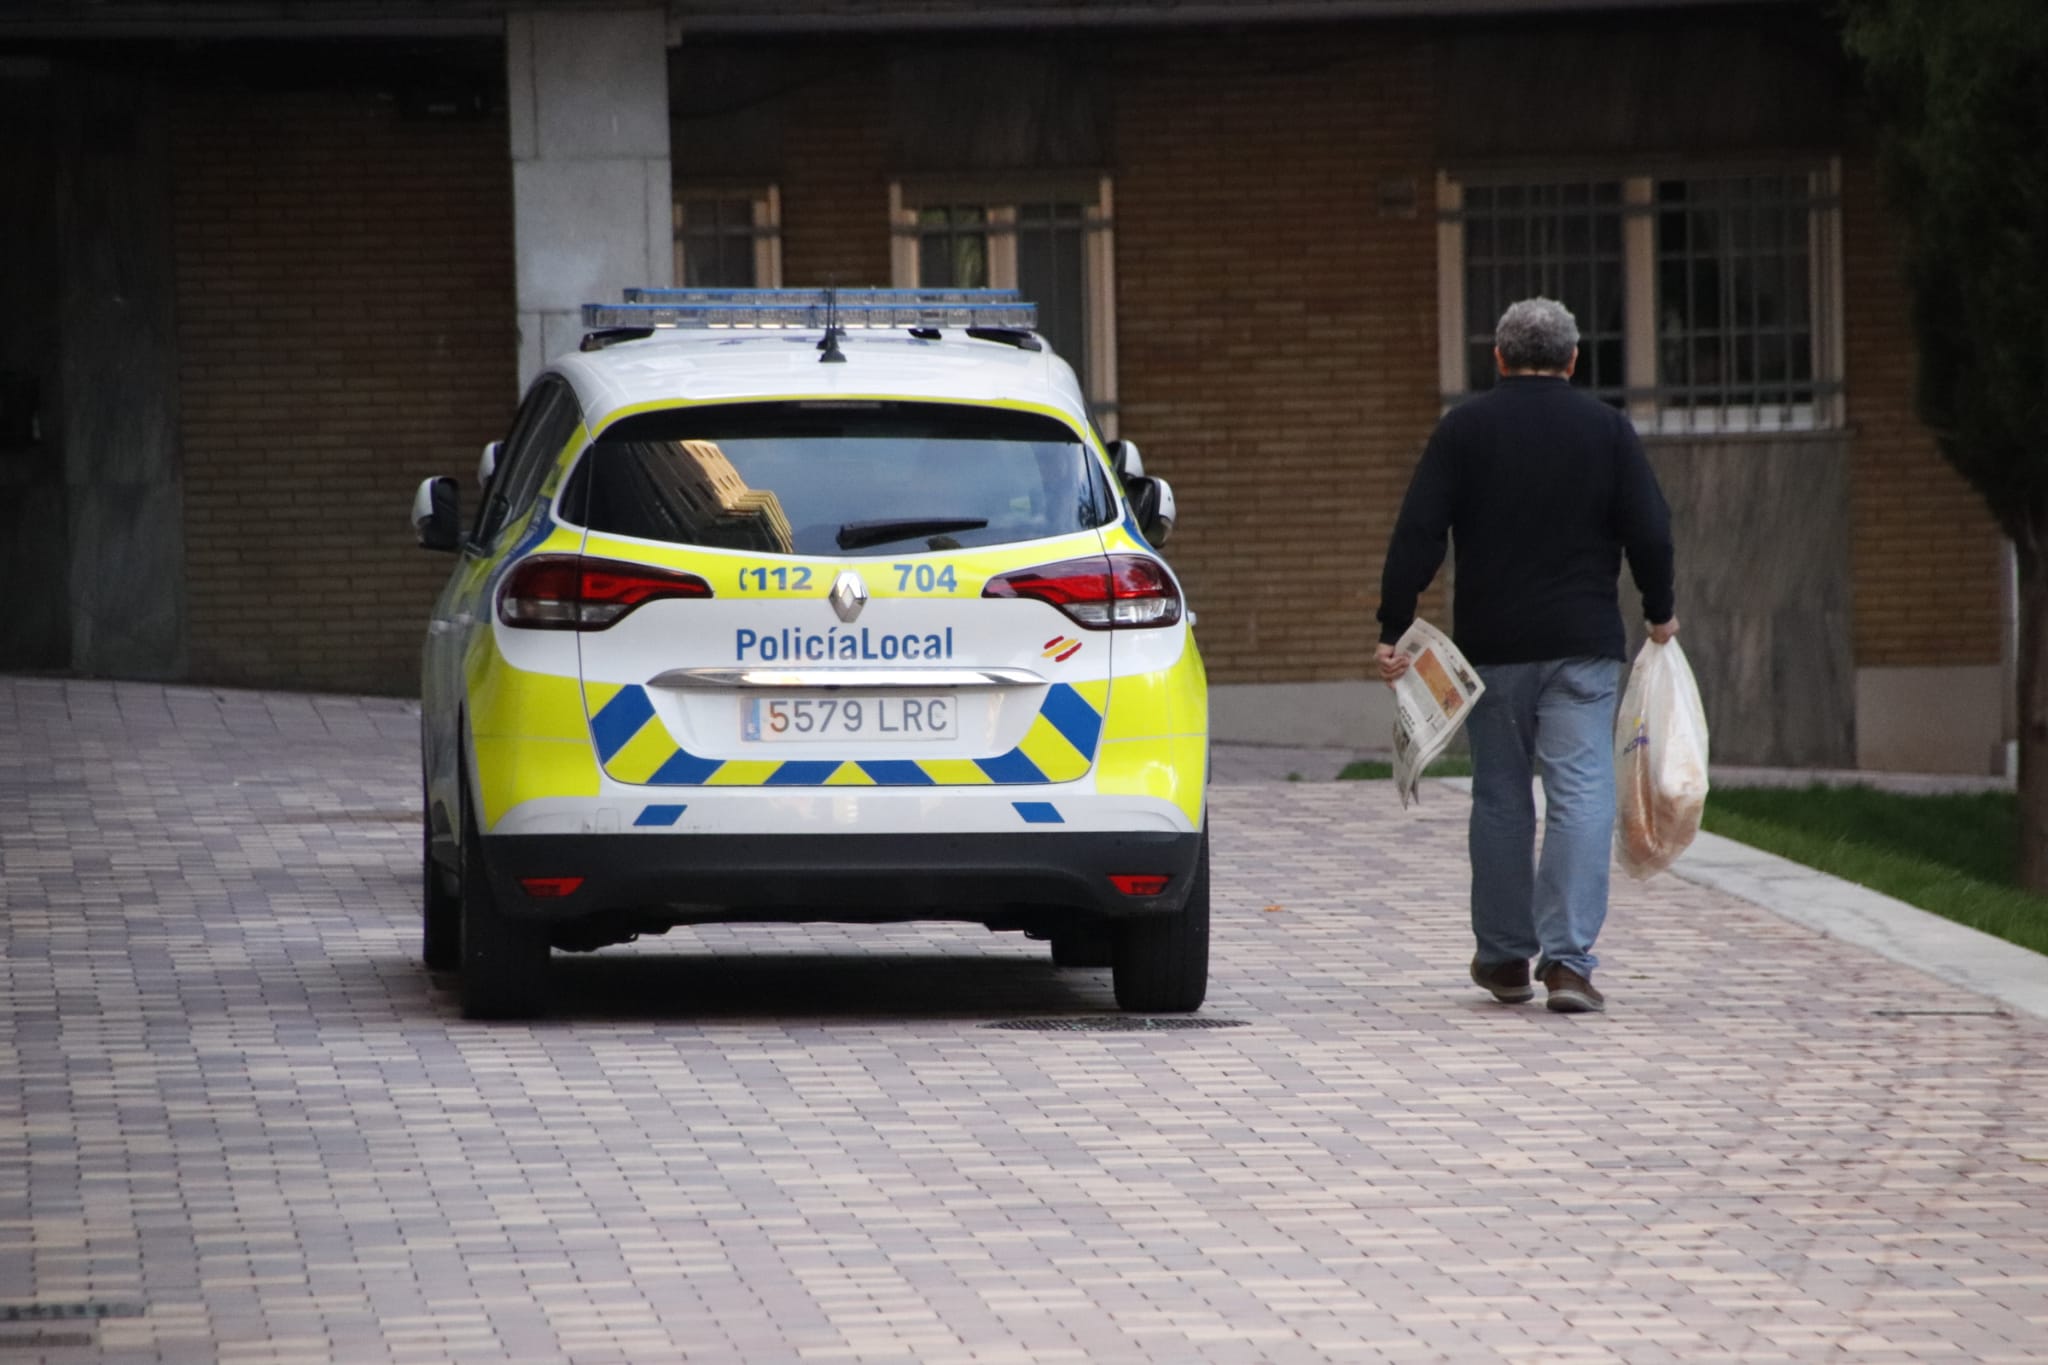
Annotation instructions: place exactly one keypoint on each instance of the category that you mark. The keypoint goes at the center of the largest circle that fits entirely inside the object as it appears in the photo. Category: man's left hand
(1393, 663)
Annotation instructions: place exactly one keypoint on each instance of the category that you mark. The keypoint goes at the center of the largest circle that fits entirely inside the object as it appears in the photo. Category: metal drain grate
(1939, 1014)
(44, 1341)
(1117, 1023)
(68, 1312)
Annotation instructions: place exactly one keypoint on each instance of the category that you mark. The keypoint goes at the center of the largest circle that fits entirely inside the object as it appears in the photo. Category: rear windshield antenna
(833, 331)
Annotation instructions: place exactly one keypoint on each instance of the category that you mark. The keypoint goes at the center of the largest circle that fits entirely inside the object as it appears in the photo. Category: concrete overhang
(313, 18)
(74, 19)
(821, 16)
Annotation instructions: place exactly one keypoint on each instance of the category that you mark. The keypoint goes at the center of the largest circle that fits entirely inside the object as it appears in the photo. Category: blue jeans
(1559, 713)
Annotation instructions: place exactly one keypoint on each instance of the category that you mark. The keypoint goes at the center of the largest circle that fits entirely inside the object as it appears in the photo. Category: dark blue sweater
(1544, 488)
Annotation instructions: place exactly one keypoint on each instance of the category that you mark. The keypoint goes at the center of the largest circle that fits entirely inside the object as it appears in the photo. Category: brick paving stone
(229, 1094)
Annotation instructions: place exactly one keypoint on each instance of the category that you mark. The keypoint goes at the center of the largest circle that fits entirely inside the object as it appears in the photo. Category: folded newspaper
(1431, 700)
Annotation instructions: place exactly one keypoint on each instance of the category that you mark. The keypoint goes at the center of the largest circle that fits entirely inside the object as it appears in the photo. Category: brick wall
(1926, 553)
(835, 185)
(1277, 333)
(346, 328)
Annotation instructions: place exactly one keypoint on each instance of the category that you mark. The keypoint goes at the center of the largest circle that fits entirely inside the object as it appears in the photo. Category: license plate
(892, 716)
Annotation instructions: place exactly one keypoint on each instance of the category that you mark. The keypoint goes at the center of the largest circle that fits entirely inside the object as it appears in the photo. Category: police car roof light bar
(810, 309)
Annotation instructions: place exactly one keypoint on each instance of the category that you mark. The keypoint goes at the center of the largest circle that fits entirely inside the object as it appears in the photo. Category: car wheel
(504, 960)
(1083, 948)
(1162, 961)
(440, 910)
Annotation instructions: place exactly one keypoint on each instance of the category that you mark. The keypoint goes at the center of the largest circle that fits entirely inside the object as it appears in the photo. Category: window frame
(545, 421)
(642, 428)
(765, 202)
(1657, 406)
(999, 197)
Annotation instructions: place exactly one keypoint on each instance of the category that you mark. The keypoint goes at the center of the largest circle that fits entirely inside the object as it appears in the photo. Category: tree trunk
(2033, 723)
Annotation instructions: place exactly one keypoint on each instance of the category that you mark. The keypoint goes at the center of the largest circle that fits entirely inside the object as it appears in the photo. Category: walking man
(1544, 489)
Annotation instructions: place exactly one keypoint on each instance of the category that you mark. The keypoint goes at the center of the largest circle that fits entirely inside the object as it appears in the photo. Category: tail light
(569, 592)
(1139, 885)
(1103, 592)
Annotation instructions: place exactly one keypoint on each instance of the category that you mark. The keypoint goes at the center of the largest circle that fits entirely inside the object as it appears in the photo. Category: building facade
(290, 259)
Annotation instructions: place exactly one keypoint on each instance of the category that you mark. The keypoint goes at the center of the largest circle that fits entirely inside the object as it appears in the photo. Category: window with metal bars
(1562, 241)
(728, 239)
(1050, 243)
(1735, 292)
(1706, 303)
(952, 246)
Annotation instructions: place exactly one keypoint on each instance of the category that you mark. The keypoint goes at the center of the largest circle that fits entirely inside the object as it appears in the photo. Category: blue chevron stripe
(629, 711)
(684, 769)
(803, 772)
(1011, 767)
(1078, 723)
(619, 720)
(896, 772)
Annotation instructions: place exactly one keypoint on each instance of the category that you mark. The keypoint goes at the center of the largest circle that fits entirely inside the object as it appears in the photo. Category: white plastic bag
(1660, 762)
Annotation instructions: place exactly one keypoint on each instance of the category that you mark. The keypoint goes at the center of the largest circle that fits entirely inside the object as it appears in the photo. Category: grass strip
(1952, 855)
(1370, 770)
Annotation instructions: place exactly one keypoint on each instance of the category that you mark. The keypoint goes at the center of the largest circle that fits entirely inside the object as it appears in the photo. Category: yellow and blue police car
(811, 605)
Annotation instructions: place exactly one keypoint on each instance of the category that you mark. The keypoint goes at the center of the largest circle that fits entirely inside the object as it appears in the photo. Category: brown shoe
(1571, 993)
(1509, 981)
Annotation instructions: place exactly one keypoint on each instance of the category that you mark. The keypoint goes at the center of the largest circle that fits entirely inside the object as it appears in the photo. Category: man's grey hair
(1537, 334)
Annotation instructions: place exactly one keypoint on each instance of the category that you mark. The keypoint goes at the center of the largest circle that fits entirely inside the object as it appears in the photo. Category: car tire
(440, 911)
(1162, 961)
(504, 960)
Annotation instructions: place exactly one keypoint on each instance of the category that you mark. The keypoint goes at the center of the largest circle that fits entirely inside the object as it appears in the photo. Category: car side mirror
(1125, 460)
(437, 514)
(1152, 504)
(487, 465)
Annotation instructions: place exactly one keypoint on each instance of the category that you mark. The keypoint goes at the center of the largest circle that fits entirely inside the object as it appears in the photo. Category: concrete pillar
(588, 91)
(35, 559)
(118, 380)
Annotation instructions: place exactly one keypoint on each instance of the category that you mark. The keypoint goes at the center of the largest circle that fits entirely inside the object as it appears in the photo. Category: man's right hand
(1393, 663)
(1663, 632)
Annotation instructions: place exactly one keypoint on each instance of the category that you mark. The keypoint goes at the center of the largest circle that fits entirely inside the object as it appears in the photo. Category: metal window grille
(1038, 248)
(1705, 303)
(1052, 271)
(715, 237)
(1560, 240)
(1052, 242)
(1735, 295)
(953, 246)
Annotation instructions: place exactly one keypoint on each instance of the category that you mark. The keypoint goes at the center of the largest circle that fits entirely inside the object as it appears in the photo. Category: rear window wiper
(859, 534)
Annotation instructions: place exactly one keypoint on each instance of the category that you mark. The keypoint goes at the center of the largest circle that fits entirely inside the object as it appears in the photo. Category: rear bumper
(992, 878)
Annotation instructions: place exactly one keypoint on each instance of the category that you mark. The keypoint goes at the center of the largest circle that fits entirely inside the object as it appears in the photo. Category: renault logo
(848, 595)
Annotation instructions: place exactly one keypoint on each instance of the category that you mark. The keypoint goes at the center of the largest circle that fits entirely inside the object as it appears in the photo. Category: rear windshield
(838, 478)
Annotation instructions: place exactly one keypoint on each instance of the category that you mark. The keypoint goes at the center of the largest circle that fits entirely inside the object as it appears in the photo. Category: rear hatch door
(842, 635)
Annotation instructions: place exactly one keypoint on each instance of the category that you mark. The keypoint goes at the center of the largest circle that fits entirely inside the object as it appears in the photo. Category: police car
(811, 605)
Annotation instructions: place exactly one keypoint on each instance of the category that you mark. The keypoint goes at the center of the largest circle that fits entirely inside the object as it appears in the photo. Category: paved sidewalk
(1237, 764)
(238, 1119)
(2008, 975)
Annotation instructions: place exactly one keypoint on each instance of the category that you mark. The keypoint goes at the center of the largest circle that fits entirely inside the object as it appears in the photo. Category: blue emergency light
(814, 309)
